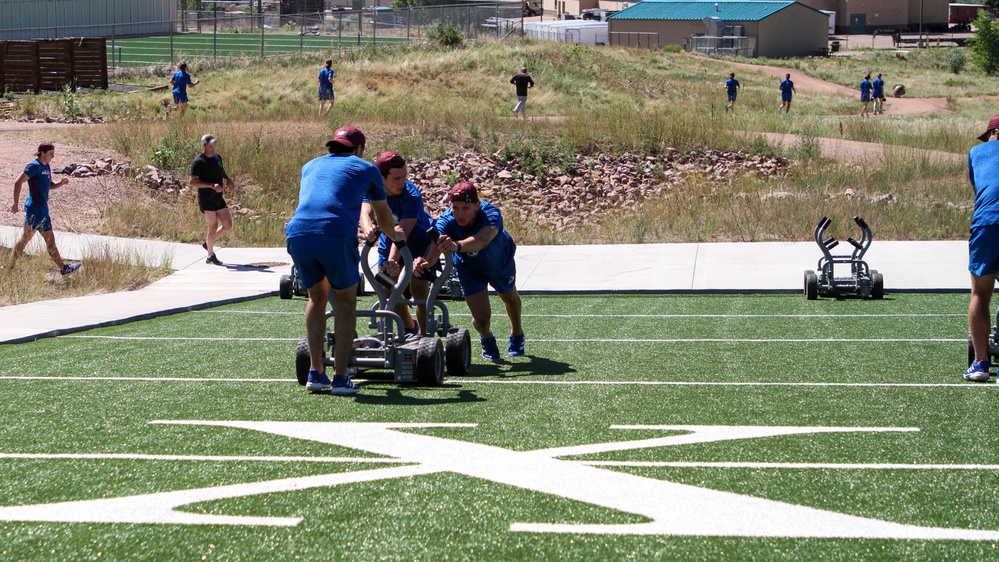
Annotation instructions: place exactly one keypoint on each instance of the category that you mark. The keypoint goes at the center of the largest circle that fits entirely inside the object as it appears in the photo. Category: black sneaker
(213, 259)
(205, 245)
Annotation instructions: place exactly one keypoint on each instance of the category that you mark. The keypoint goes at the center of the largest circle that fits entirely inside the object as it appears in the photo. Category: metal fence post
(301, 33)
(263, 21)
(171, 43)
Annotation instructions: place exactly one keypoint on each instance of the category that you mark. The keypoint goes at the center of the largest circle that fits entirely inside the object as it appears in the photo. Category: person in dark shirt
(207, 174)
(523, 81)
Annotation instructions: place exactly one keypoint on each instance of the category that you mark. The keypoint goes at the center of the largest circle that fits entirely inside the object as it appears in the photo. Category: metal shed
(773, 28)
(49, 19)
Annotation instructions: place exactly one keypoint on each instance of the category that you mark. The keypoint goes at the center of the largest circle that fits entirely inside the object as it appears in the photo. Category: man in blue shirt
(484, 255)
(787, 90)
(983, 245)
(865, 94)
(406, 204)
(322, 240)
(878, 90)
(38, 175)
(326, 88)
(180, 81)
(732, 87)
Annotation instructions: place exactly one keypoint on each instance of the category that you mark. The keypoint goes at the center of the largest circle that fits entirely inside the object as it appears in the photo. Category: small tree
(956, 60)
(446, 35)
(985, 44)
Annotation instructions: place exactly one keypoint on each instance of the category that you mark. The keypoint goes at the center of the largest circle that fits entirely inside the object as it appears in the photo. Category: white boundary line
(795, 465)
(570, 340)
(473, 381)
(465, 314)
(206, 458)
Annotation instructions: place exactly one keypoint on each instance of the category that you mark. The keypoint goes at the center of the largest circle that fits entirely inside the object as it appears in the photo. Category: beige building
(558, 9)
(867, 16)
(763, 28)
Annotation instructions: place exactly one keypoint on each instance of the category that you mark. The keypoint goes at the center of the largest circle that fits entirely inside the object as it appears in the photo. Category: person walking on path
(523, 82)
(322, 241)
(878, 91)
(208, 174)
(732, 87)
(326, 93)
(865, 94)
(983, 245)
(180, 81)
(484, 255)
(787, 91)
(38, 175)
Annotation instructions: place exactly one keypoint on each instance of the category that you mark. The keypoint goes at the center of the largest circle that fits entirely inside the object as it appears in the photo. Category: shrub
(985, 43)
(956, 61)
(447, 35)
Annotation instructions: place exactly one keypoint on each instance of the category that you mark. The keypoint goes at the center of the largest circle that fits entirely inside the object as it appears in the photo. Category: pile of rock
(99, 167)
(586, 188)
(153, 178)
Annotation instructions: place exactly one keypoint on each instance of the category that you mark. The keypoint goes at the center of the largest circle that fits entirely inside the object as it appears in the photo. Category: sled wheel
(811, 285)
(285, 287)
(430, 362)
(458, 353)
(302, 361)
(877, 285)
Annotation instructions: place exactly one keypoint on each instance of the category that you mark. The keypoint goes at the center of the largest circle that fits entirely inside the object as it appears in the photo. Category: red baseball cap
(389, 160)
(464, 192)
(348, 136)
(993, 124)
(44, 147)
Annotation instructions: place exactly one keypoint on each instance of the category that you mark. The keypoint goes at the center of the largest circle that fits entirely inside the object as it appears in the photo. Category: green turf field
(745, 413)
(154, 50)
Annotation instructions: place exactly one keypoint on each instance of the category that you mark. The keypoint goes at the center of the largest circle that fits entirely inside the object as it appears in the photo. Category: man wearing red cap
(406, 203)
(322, 240)
(983, 245)
(484, 255)
(38, 174)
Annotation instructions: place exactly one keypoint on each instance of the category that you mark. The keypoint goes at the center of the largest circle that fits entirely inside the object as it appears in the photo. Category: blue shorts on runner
(333, 257)
(36, 219)
(503, 280)
(983, 250)
(180, 98)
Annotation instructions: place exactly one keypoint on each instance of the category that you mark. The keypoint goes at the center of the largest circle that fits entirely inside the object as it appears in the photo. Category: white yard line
(569, 340)
(465, 314)
(796, 465)
(205, 458)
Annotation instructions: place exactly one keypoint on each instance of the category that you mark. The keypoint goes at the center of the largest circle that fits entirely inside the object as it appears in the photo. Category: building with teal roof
(775, 29)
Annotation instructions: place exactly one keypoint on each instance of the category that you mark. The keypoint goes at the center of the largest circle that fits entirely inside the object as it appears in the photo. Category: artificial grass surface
(450, 516)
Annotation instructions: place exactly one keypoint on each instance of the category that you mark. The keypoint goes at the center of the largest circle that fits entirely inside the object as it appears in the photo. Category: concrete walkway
(251, 273)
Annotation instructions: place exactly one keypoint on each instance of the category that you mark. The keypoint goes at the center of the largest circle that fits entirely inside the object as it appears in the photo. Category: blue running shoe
(978, 371)
(69, 268)
(318, 382)
(414, 330)
(516, 348)
(489, 348)
(343, 386)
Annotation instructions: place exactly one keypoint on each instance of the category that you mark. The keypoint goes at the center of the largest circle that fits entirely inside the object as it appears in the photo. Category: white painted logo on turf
(671, 508)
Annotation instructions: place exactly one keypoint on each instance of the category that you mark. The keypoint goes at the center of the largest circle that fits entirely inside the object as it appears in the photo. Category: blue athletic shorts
(504, 280)
(785, 97)
(731, 97)
(983, 250)
(180, 98)
(326, 94)
(418, 248)
(37, 219)
(333, 257)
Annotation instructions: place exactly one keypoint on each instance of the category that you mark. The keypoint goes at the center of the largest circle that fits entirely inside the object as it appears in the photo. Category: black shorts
(210, 200)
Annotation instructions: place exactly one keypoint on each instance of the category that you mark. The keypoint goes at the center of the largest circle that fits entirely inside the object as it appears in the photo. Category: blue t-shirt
(487, 262)
(983, 171)
(39, 183)
(879, 88)
(786, 88)
(865, 90)
(733, 85)
(329, 199)
(325, 75)
(180, 81)
(408, 205)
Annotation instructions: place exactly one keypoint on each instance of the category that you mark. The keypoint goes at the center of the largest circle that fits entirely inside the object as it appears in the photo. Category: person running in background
(326, 93)
(732, 87)
(484, 255)
(180, 81)
(865, 94)
(38, 175)
(878, 91)
(406, 203)
(523, 82)
(207, 174)
(787, 91)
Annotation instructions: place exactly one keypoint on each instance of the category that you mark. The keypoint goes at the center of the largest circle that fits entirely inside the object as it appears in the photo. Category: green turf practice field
(638, 427)
(153, 50)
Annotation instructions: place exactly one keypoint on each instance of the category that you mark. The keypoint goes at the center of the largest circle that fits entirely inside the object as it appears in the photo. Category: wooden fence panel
(51, 64)
(91, 62)
(55, 63)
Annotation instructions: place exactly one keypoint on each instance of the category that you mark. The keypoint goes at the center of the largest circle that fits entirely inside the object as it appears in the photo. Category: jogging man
(180, 81)
(983, 245)
(36, 207)
(878, 90)
(207, 174)
(406, 203)
(865, 94)
(484, 255)
(326, 88)
(322, 240)
(733, 87)
(786, 93)
(523, 82)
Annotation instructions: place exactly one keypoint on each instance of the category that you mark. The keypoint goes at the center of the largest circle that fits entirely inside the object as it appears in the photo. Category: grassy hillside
(426, 102)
